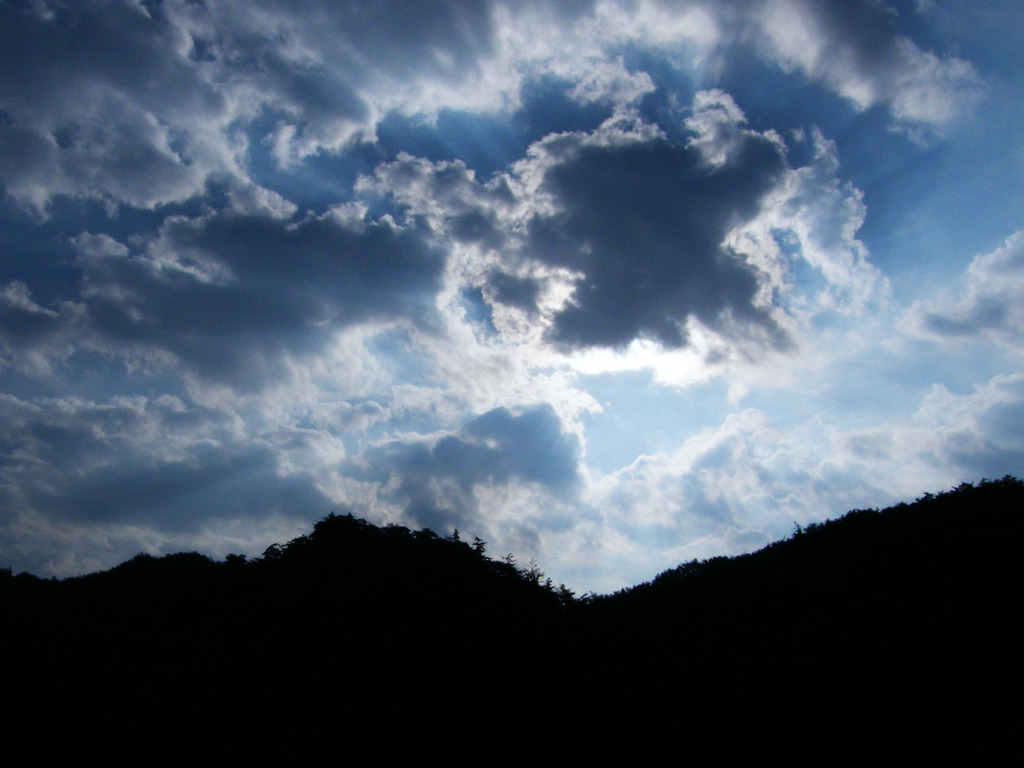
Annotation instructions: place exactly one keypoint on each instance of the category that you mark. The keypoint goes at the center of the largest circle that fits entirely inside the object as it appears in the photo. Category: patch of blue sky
(484, 142)
(490, 142)
(315, 182)
(786, 101)
(799, 272)
(39, 251)
(930, 197)
(641, 416)
(477, 312)
(875, 385)
(987, 33)
(931, 208)
(943, 216)
(395, 351)
(674, 90)
(547, 107)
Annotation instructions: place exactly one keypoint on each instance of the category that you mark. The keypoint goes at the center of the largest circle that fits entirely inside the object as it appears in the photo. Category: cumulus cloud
(436, 484)
(612, 83)
(33, 336)
(813, 217)
(630, 223)
(326, 72)
(231, 297)
(987, 303)
(686, 256)
(949, 436)
(149, 103)
(639, 223)
(131, 461)
(122, 114)
(855, 48)
(734, 487)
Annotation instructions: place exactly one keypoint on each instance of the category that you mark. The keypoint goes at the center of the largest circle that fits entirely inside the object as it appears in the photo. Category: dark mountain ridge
(912, 608)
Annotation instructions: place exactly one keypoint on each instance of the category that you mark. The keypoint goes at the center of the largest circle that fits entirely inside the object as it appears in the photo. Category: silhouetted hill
(347, 588)
(907, 613)
(903, 620)
(920, 572)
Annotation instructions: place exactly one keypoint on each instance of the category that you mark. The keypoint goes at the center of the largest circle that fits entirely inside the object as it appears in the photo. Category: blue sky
(611, 285)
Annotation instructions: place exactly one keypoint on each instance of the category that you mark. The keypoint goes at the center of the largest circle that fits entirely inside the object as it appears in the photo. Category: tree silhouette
(909, 613)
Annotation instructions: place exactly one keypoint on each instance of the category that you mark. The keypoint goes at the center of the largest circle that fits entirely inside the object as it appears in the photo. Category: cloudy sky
(611, 284)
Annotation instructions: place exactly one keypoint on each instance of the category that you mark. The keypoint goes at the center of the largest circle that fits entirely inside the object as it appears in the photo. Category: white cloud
(147, 108)
(122, 115)
(611, 82)
(854, 48)
(814, 216)
(717, 126)
(988, 301)
(732, 488)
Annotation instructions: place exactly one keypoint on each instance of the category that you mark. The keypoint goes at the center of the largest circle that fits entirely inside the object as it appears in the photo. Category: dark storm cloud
(868, 27)
(158, 463)
(639, 218)
(514, 291)
(30, 332)
(212, 483)
(52, 52)
(435, 484)
(148, 102)
(644, 224)
(98, 100)
(856, 48)
(144, 103)
(232, 296)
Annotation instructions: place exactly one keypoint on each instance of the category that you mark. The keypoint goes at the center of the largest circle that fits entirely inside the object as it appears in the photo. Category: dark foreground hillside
(904, 618)
(908, 615)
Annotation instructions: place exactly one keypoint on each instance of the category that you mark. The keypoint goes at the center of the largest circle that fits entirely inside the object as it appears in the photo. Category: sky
(611, 284)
